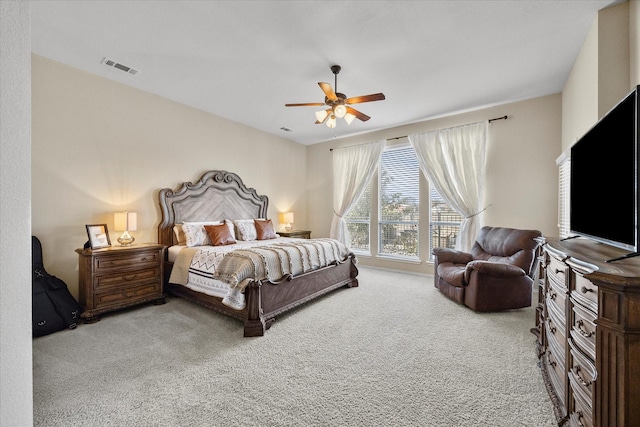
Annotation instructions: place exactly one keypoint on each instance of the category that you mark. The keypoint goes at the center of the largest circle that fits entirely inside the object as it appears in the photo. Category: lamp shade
(340, 110)
(125, 221)
(331, 121)
(321, 115)
(287, 217)
(349, 118)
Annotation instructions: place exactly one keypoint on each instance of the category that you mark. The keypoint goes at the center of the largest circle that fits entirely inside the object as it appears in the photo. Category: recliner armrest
(495, 269)
(451, 255)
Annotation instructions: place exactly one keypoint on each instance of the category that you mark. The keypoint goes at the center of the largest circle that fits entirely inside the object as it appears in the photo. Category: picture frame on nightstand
(98, 236)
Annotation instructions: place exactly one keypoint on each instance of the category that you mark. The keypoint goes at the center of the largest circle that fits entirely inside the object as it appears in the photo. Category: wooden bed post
(255, 325)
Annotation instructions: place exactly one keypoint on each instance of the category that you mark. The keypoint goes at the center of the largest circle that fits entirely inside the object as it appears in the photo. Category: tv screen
(604, 179)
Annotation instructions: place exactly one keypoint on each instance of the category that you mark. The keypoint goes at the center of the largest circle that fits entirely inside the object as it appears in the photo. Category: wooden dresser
(588, 329)
(119, 276)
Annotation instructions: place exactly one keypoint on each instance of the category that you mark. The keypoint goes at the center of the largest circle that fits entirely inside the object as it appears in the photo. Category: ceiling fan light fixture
(339, 105)
(340, 110)
(321, 115)
(349, 118)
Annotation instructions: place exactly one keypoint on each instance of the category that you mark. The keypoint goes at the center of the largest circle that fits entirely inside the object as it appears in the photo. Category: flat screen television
(604, 179)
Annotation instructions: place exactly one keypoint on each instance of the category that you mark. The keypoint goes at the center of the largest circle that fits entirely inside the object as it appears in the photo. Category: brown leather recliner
(496, 275)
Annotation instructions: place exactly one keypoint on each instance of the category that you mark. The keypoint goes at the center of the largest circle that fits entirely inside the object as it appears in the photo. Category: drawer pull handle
(551, 362)
(583, 331)
(576, 372)
(552, 328)
(558, 271)
(585, 290)
(130, 277)
(553, 295)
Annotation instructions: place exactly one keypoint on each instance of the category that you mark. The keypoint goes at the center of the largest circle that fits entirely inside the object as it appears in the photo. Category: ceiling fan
(338, 103)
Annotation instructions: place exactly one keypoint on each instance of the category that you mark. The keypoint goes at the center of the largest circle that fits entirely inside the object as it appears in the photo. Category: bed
(221, 197)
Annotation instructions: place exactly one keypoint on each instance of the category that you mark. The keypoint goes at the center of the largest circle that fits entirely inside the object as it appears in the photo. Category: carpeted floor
(392, 352)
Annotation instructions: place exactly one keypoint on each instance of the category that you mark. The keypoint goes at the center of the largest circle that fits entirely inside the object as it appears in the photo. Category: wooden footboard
(266, 300)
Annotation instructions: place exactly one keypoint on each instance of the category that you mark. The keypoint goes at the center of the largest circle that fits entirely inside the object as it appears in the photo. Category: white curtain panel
(353, 168)
(453, 161)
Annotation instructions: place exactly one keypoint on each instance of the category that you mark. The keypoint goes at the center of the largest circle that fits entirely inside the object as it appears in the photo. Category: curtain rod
(490, 120)
(505, 117)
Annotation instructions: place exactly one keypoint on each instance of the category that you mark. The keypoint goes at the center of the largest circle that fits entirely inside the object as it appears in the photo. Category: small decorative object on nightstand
(125, 221)
(300, 234)
(119, 276)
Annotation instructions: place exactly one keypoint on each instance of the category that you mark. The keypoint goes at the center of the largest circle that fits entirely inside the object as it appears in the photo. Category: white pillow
(245, 229)
(196, 235)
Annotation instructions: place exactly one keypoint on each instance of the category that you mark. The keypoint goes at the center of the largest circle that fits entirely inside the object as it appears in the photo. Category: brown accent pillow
(220, 235)
(264, 229)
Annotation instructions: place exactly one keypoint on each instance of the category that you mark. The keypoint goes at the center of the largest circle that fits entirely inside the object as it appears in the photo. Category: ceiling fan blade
(328, 91)
(309, 104)
(365, 98)
(361, 116)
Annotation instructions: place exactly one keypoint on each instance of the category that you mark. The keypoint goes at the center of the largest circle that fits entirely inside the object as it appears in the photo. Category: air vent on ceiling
(111, 63)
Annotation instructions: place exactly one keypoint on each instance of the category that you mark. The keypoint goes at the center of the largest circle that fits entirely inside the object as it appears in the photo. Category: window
(399, 202)
(444, 223)
(564, 169)
(358, 222)
(395, 200)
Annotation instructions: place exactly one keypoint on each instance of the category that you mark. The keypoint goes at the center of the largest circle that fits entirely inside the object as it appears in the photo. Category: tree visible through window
(358, 222)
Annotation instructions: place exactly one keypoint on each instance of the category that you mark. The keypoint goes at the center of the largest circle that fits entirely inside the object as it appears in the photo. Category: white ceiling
(243, 60)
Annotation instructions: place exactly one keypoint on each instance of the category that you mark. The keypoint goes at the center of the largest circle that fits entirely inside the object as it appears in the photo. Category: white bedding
(202, 262)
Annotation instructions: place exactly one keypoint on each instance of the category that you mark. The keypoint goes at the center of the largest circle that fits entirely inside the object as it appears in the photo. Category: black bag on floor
(53, 306)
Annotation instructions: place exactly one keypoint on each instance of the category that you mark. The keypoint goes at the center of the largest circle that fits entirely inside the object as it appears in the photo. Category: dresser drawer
(555, 327)
(581, 418)
(126, 279)
(582, 377)
(583, 330)
(556, 300)
(557, 272)
(585, 293)
(128, 295)
(555, 369)
(133, 260)
(581, 396)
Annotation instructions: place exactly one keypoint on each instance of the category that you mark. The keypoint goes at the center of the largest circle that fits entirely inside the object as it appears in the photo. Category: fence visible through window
(444, 223)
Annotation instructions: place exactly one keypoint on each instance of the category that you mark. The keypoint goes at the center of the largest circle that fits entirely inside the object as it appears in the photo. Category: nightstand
(300, 234)
(119, 276)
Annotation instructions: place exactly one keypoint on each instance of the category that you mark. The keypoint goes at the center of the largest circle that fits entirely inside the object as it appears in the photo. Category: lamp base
(126, 239)
(287, 227)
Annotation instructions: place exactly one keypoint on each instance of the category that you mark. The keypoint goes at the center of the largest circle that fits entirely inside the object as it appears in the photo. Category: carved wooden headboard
(216, 196)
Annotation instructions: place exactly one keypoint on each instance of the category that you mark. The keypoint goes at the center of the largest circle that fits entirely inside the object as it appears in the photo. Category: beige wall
(101, 147)
(634, 42)
(521, 186)
(607, 68)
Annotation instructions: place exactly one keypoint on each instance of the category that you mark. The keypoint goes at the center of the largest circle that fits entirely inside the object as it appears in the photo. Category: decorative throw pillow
(180, 237)
(245, 229)
(220, 235)
(195, 233)
(264, 229)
